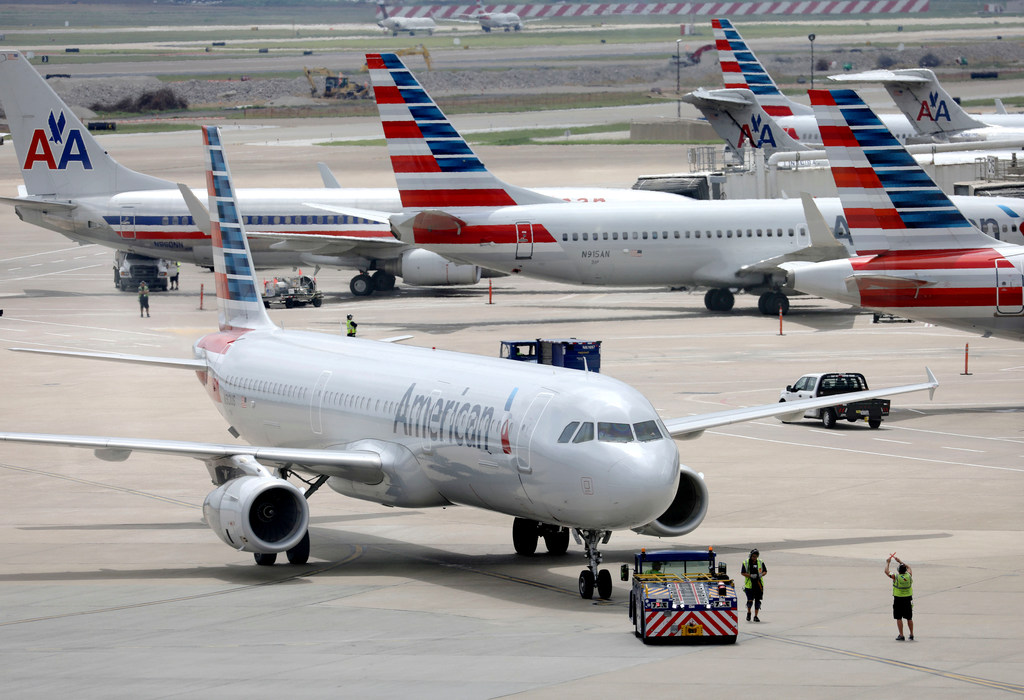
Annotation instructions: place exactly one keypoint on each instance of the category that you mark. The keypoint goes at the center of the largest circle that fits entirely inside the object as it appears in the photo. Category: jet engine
(427, 269)
(686, 511)
(260, 514)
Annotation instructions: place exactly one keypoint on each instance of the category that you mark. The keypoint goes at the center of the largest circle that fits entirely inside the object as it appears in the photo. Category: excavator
(337, 85)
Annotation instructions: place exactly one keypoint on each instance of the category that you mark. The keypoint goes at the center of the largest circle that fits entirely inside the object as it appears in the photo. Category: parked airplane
(742, 69)
(397, 25)
(742, 122)
(74, 187)
(416, 427)
(495, 20)
(930, 109)
(918, 256)
(457, 208)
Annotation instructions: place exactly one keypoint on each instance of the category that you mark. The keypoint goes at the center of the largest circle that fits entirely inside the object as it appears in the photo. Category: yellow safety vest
(350, 327)
(902, 586)
(748, 583)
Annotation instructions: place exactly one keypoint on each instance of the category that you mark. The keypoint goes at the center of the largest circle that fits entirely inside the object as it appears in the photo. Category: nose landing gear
(592, 575)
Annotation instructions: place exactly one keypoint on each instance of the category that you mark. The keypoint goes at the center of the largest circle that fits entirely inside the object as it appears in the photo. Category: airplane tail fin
(239, 302)
(741, 121)
(918, 94)
(741, 69)
(434, 166)
(889, 201)
(382, 11)
(57, 154)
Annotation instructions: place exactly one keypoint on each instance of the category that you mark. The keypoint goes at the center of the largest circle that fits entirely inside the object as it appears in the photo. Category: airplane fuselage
(702, 243)
(455, 428)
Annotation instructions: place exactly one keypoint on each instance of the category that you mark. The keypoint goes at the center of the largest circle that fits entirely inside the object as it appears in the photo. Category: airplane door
(126, 227)
(1009, 288)
(527, 429)
(524, 240)
(316, 403)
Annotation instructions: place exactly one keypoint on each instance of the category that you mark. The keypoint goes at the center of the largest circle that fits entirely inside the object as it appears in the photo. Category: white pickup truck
(812, 386)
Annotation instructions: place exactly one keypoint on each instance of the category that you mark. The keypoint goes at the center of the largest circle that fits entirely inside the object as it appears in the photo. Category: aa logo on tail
(67, 147)
(764, 133)
(933, 108)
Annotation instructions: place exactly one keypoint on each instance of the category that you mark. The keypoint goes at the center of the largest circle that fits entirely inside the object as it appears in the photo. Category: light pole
(810, 37)
(679, 105)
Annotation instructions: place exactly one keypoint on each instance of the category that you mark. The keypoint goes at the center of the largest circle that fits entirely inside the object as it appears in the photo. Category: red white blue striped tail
(239, 303)
(434, 166)
(741, 69)
(889, 201)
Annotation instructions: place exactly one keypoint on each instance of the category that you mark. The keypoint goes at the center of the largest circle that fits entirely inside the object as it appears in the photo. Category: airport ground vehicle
(812, 386)
(569, 352)
(682, 596)
(131, 268)
(292, 292)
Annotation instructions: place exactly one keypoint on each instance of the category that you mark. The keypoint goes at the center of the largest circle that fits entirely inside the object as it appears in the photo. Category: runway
(113, 587)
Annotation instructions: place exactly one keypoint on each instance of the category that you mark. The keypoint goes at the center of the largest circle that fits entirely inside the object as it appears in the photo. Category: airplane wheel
(586, 584)
(361, 285)
(265, 559)
(604, 584)
(299, 554)
(557, 543)
(383, 281)
(828, 418)
(524, 536)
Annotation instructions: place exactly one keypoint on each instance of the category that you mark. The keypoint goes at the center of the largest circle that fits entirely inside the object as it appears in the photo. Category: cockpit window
(614, 432)
(647, 431)
(567, 432)
(585, 434)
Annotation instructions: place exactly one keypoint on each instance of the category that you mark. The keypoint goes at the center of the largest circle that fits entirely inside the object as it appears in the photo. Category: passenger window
(575, 236)
(585, 434)
(614, 432)
(647, 431)
(568, 431)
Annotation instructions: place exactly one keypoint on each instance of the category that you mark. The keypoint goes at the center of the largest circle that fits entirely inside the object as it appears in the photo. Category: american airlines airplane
(455, 207)
(741, 69)
(74, 187)
(930, 109)
(741, 121)
(397, 25)
(507, 21)
(565, 454)
(918, 256)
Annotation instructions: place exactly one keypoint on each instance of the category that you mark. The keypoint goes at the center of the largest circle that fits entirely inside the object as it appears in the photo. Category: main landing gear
(363, 284)
(592, 576)
(525, 534)
(769, 303)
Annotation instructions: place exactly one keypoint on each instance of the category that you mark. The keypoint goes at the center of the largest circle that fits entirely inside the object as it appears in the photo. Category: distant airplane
(507, 21)
(400, 25)
(454, 206)
(918, 256)
(73, 186)
(930, 109)
(563, 453)
(741, 69)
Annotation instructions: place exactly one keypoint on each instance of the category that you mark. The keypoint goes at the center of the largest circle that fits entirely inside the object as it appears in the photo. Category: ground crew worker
(350, 326)
(174, 277)
(143, 299)
(753, 570)
(902, 596)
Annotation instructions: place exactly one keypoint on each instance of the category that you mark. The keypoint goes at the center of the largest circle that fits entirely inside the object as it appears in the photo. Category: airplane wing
(691, 427)
(357, 465)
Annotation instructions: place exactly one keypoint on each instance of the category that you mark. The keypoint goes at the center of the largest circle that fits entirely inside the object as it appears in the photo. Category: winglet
(933, 381)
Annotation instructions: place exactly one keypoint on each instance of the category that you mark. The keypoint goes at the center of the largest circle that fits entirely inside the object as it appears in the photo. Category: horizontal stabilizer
(880, 77)
(43, 205)
(171, 362)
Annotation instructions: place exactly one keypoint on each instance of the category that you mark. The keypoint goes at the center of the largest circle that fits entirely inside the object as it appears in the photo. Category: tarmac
(113, 587)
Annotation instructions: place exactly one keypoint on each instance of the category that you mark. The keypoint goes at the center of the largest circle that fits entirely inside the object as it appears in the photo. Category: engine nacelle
(427, 269)
(261, 514)
(404, 485)
(687, 510)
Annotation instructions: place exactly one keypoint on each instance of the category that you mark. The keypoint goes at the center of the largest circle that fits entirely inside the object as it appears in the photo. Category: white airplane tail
(918, 94)
(889, 201)
(434, 166)
(741, 69)
(239, 302)
(741, 121)
(57, 154)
